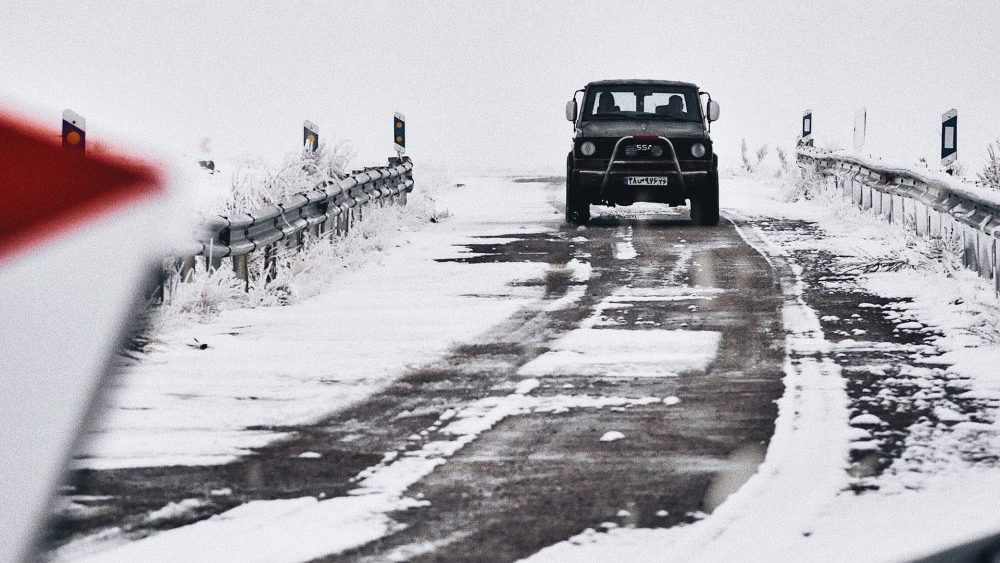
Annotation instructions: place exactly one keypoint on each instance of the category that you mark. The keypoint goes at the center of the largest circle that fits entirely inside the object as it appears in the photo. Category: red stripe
(46, 191)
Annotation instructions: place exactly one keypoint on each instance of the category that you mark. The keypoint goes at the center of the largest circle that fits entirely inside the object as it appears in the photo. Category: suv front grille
(630, 151)
(644, 151)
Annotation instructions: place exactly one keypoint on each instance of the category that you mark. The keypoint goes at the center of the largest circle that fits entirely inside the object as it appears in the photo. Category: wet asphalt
(533, 479)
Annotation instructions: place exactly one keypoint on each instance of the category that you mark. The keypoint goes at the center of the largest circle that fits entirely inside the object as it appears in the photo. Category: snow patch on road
(626, 353)
(581, 270)
(624, 249)
(678, 293)
(306, 528)
(175, 510)
(573, 294)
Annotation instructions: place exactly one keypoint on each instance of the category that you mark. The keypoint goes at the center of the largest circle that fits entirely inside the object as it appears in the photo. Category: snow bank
(193, 396)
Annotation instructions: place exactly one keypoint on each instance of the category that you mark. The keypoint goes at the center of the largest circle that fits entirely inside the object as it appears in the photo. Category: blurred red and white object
(80, 238)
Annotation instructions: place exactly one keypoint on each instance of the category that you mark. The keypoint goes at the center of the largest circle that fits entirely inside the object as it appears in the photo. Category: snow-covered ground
(192, 398)
(800, 505)
(190, 405)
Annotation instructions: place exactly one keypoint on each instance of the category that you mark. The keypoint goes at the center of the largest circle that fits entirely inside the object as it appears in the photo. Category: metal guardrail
(931, 206)
(332, 206)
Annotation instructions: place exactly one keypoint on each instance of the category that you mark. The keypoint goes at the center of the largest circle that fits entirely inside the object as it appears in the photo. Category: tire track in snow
(534, 478)
(805, 466)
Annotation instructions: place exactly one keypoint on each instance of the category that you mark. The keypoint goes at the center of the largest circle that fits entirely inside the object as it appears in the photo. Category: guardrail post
(187, 267)
(984, 255)
(270, 264)
(993, 263)
(241, 269)
(965, 249)
(160, 290)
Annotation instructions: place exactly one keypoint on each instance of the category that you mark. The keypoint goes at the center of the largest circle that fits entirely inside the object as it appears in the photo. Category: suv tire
(577, 208)
(705, 204)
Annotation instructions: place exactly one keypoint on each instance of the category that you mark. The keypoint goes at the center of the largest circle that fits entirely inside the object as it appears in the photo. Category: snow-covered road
(500, 386)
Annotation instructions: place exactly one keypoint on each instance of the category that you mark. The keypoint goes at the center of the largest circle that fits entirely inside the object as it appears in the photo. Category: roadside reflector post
(74, 132)
(310, 136)
(860, 126)
(399, 134)
(807, 127)
(949, 140)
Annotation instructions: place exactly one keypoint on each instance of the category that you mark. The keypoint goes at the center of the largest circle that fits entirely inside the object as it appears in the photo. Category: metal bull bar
(613, 161)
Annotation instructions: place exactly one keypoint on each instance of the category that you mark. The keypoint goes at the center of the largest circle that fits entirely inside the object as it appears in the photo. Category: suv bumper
(605, 181)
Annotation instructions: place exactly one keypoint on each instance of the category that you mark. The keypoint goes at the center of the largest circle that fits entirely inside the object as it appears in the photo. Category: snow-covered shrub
(751, 164)
(914, 252)
(761, 155)
(746, 165)
(200, 294)
(990, 176)
(800, 181)
(782, 156)
(255, 184)
(788, 167)
(943, 254)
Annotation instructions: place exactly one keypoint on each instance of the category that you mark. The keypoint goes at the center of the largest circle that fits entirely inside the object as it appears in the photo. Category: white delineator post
(74, 131)
(310, 136)
(399, 134)
(860, 128)
(949, 139)
(807, 127)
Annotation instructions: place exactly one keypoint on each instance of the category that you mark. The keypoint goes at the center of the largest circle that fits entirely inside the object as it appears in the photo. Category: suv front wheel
(705, 203)
(577, 207)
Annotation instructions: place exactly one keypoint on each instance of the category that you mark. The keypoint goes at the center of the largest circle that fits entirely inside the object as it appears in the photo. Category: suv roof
(640, 82)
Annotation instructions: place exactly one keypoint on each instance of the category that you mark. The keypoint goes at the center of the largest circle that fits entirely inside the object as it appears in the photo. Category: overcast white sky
(483, 84)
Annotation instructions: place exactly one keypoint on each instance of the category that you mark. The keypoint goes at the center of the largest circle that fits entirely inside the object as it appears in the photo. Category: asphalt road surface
(701, 294)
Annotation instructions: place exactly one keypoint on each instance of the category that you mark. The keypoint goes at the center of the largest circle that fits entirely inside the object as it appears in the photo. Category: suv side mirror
(571, 110)
(713, 110)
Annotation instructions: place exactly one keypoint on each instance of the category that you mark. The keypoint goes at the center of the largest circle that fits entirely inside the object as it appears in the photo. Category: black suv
(642, 140)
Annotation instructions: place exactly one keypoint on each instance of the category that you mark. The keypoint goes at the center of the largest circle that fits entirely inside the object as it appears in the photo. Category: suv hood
(621, 128)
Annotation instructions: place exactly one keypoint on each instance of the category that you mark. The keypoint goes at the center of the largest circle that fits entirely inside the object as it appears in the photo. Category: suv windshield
(673, 103)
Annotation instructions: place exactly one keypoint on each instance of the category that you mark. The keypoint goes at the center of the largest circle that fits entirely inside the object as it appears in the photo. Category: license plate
(645, 181)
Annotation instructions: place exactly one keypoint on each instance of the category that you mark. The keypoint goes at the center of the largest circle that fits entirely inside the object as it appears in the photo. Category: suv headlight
(698, 150)
(588, 148)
